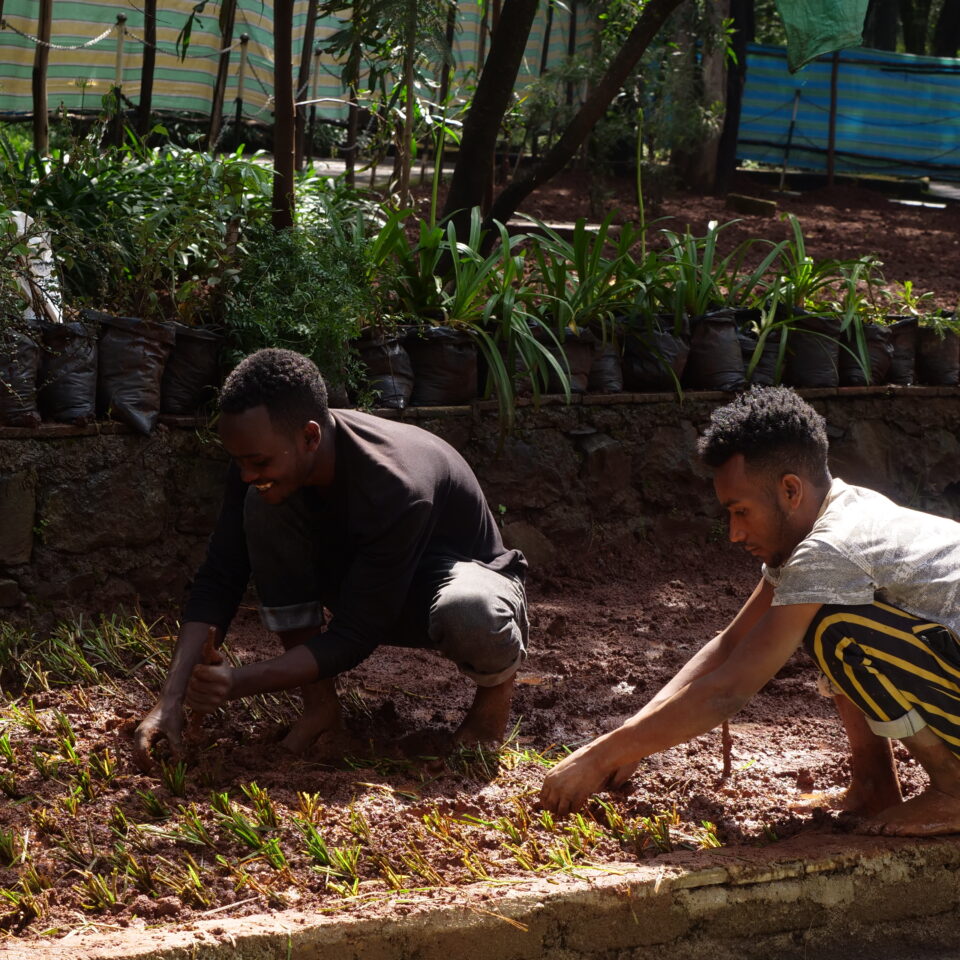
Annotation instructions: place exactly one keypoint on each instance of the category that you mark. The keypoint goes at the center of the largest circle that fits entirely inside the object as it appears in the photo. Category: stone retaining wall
(91, 517)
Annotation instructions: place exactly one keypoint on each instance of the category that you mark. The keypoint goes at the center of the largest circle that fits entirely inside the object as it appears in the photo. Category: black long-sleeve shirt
(400, 497)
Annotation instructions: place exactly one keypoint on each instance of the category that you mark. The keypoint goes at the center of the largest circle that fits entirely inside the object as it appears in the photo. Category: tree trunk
(914, 16)
(700, 167)
(741, 12)
(946, 36)
(145, 107)
(651, 20)
(228, 13)
(41, 57)
(880, 25)
(303, 81)
(283, 119)
(482, 125)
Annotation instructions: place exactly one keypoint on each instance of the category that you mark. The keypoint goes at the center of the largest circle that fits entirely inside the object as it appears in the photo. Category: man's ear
(791, 490)
(311, 435)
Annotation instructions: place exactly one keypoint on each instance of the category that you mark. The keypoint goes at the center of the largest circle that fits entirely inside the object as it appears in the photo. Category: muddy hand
(162, 722)
(572, 781)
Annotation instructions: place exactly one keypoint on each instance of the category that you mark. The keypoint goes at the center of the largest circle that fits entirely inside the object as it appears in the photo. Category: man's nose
(248, 474)
(737, 533)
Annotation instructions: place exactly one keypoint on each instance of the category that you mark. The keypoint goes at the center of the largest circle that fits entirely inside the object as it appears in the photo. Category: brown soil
(915, 243)
(599, 647)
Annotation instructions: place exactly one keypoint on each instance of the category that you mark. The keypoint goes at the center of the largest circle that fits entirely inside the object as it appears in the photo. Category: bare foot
(930, 814)
(321, 714)
(485, 723)
(860, 799)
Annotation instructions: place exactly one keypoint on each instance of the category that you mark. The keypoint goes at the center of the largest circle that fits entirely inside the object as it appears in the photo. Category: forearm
(296, 667)
(186, 655)
(688, 711)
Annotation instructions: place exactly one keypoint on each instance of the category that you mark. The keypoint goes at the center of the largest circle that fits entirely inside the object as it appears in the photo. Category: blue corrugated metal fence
(897, 114)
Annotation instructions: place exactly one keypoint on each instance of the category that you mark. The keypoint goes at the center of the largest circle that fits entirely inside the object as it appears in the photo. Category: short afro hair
(774, 429)
(288, 384)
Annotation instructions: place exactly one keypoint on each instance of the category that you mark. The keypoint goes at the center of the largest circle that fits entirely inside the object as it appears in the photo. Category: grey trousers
(470, 614)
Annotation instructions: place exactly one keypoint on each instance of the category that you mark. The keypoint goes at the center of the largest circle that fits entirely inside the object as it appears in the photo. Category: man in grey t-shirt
(869, 587)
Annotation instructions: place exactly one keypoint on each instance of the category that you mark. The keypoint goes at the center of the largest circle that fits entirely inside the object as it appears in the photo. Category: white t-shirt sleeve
(816, 572)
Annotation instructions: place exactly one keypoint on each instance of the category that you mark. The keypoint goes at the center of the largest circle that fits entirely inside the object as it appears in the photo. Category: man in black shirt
(381, 523)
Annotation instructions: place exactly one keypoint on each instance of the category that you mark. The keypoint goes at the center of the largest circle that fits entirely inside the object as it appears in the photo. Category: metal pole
(313, 106)
(117, 137)
(832, 140)
(41, 59)
(786, 149)
(241, 76)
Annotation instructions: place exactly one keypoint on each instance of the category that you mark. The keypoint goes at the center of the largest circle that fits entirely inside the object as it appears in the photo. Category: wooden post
(241, 77)
(116, 137)
(313, 106)
(145, 106)
(41, 57)
(303, 82)
(283, 117)
(832, 140)
(228, 14)
(545, 48)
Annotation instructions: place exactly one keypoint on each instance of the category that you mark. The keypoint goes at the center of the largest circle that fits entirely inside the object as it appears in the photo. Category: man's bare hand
(210, 687)
(568, 786)
(164, 721)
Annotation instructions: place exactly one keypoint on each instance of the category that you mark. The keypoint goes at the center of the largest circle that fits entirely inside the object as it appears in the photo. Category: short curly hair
(775, 430)
(288, 384)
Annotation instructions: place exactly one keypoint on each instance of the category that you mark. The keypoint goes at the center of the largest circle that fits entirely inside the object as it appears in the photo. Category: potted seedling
(903, 308)
(938, 348)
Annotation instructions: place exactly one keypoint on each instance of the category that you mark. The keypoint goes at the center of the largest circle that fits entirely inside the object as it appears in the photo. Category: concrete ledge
(810, 893)
(54, 431)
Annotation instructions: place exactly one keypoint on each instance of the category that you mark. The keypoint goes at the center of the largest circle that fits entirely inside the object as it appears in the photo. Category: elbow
(724, 704)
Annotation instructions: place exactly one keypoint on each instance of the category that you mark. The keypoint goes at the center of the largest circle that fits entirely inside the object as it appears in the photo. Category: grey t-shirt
(863, 547)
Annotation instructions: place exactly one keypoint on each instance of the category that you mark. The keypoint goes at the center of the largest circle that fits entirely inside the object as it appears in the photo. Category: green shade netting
(820, 26)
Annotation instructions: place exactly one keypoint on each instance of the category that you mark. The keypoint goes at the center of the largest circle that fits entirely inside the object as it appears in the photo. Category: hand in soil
(162, 722)
(568, 786)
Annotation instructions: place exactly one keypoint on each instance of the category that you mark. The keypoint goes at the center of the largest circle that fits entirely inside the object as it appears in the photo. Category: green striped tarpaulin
(78, 78)
(897, 114)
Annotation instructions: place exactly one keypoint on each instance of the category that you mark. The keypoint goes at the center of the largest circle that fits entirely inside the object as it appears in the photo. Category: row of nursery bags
(104, 366)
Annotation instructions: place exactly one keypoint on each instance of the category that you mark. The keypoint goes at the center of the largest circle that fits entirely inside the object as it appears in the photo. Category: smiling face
(769, 516)
(276, 461)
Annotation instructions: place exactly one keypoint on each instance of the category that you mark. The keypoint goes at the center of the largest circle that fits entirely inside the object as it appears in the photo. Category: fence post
(145, 106)
(116, 137)
(241, 76)
(228, 12)
(41, 57)
(303, 82)
(313, 106)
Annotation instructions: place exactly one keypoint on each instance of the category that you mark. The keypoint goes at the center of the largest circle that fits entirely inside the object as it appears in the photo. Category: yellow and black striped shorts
(892, 665)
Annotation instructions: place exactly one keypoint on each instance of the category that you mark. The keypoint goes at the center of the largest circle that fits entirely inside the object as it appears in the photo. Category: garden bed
(358, 828)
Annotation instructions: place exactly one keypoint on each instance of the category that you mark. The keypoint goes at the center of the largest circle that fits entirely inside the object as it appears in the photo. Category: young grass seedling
(28, 718)
(45, 764)
(8, 785)
(310, 807)
(221, 803)
(139, 872)
(6, 749)
(103, 765)
(153, 805)
(357, 823)
(264, 809)
(12, 847)
(193, 829)
(118, 822)
(70, 802)
(174, 777)
(102, 892)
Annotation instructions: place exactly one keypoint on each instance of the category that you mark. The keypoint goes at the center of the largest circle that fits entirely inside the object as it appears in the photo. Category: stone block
(18, 503)
(541, 554)
(10, 595)
(110, 508)
(606, 466)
